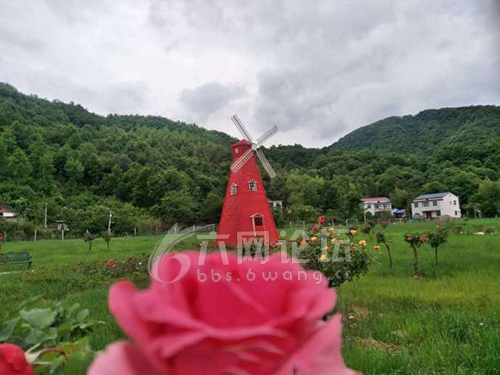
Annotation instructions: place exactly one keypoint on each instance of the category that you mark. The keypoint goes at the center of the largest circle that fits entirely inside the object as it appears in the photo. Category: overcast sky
(317, 69)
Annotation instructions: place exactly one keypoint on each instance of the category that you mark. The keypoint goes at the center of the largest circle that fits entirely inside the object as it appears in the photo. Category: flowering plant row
(339, 255)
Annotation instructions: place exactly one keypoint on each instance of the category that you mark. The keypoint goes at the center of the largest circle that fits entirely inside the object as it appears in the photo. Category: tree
(382, 239)
(177, 206)
(487, 197)
(436, 239)
(74, 170)
(89, 238)
(106, 236)
(415, 240)
(19, 167)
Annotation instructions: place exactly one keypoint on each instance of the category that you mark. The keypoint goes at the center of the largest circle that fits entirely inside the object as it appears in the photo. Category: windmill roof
(431, 196)
(243, 142)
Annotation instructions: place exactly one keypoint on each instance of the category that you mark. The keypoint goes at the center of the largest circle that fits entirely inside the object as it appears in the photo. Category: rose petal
(122, 358)
(320, 355)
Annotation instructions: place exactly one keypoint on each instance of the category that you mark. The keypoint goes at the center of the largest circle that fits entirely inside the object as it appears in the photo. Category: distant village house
(275, 204)
(432, 206)
(376, 205)
(8, 213)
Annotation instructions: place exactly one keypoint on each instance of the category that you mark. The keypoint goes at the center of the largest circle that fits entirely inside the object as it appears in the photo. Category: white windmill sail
(240, 162)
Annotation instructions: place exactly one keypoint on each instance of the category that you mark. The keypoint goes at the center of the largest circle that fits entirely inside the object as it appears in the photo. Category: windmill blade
(241, 128)
(242, 160)
(265, 163)
(264, 137)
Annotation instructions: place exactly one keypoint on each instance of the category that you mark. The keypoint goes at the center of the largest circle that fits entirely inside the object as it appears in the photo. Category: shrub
(54, 334)
(338, 256)
(436, 239)
(415, 240)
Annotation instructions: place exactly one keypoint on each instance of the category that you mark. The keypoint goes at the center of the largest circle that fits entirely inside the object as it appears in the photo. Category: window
(252, 185)
(435, 203)
(234, 189)
(456, 213)
(425, 204)
(416, 205)
(258, 221)
(455, 203)
(368, 206)
(377, 206)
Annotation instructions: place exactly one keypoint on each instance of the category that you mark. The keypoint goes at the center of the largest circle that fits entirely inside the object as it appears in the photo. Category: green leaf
(36, 336)
(10, 326)
(82, 315)
(56, 364)
(39, 318)
(78, 363)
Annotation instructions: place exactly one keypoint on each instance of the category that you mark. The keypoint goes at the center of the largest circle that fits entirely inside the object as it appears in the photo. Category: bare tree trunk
(390, 256)
(436, 256)
(415, 264)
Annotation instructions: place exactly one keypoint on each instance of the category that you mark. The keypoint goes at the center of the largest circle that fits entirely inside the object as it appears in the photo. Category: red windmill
(246, 212)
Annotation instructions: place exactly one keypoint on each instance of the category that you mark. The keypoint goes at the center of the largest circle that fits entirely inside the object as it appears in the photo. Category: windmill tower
(246, 212)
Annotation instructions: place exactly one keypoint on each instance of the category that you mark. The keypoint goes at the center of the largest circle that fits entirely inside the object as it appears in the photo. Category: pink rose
(13, 361)
(225, 319)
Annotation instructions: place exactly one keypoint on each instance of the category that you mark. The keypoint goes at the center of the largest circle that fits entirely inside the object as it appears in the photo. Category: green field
(448, 322)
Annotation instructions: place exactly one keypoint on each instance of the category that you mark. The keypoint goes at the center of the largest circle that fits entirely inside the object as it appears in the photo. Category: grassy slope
(447, 323)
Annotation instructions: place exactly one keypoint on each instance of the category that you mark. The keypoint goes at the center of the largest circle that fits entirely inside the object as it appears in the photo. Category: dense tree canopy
(151, 169)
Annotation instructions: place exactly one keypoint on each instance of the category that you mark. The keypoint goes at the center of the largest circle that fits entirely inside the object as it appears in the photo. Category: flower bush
(225, 318)
(436, 239)
(382, 238)
(337, 255)
(415, 240)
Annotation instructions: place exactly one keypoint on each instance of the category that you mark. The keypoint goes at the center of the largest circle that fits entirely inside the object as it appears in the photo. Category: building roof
(431, 196)
(4, 208)
(243, 142)
(375, 200)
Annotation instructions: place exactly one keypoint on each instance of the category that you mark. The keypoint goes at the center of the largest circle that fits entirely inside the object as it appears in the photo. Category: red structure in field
(246, 212)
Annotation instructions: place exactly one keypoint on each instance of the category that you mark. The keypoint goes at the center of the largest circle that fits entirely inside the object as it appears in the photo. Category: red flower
(256, 327)
(422, 239)
(321, 219)
(438, 224)
(409, 239)
(2, 239)
(13, 361)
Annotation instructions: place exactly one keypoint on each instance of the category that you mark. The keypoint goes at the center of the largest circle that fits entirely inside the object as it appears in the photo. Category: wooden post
(34, 239)
(135, 231)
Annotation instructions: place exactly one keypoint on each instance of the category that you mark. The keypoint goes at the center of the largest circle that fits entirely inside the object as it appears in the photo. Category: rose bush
(218, 318)
(13, 361)
(339, 256)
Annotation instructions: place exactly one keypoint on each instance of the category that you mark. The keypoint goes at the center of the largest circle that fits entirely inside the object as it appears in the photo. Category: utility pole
(45, 220)
(109, 221)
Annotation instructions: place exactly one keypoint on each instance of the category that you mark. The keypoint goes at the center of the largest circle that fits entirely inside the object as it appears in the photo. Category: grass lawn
(446, 323)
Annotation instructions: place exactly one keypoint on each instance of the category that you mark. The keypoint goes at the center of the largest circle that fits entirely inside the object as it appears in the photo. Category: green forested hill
(152, 171)
(427, 131)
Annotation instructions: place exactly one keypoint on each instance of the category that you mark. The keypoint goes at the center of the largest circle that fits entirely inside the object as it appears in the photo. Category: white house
(275, 204)
(8, 213)
(376, 204)
(430, 206)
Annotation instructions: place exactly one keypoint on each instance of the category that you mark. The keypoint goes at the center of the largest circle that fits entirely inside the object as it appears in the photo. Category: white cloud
(317, 70)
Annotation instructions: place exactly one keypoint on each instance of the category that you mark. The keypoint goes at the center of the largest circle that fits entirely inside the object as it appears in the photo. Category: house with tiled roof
(8, 213)
(433, 206)
(374, 205)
